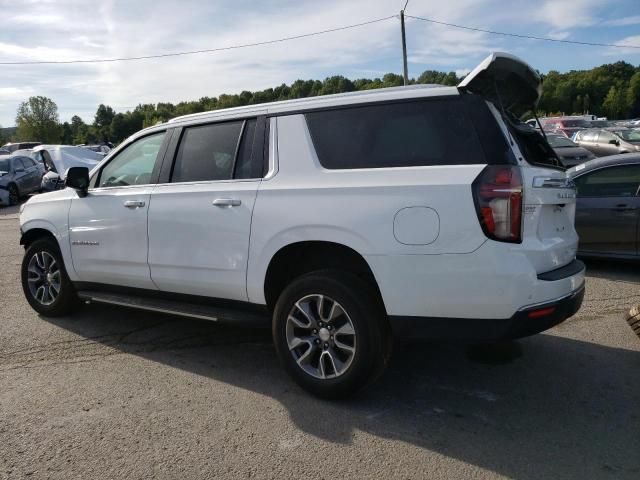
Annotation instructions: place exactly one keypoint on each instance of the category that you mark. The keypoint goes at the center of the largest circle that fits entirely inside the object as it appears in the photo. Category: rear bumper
(526, 321)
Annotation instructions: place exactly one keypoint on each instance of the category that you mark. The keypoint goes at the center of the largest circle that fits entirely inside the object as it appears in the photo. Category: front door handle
(134, 203)
(227, 202)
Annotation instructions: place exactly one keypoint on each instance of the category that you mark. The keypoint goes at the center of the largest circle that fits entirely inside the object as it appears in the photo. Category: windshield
(4, 165)
(558, 142)
(632, 136)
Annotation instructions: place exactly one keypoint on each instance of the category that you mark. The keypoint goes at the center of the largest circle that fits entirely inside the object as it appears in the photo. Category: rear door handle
(623, 207)
(134, 203)
(226, 202)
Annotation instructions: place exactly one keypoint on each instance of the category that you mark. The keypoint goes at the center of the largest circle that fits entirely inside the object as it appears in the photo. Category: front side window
(28, 162)
(606, 137)
(17, 164)
(620, 181)
(408, 134)
(134, 165)
(207, 153)
(632, 136)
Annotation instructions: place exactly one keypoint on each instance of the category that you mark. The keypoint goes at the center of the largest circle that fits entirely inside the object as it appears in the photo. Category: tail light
(497, 193)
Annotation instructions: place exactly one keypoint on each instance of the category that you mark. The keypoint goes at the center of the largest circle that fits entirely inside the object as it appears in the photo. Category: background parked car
(608, 206)
(12, 147)
(19, 176)
(564, 126)
(569, 153)
(601, 123)
(101, 149)
(59, 158)
(609, 141)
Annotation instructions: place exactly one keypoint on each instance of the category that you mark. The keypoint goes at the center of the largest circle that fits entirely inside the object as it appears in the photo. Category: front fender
(52, 216)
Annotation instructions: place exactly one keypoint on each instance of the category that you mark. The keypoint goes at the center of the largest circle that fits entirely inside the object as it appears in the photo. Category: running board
(175, 307)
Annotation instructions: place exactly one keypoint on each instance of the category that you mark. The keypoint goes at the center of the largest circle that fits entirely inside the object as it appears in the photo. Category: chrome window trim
(273, 149)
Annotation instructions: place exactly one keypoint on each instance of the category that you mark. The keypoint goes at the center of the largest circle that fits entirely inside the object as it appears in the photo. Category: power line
(531, 37)
(194, 52)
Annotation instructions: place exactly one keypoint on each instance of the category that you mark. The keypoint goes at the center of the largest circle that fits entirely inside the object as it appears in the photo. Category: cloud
(622, 21)
(558, 35)
(632, 40)
(40, 53)
(40, 19)
(565, 14)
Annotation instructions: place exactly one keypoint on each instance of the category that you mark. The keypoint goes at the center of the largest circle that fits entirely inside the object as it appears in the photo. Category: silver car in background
(609, 141)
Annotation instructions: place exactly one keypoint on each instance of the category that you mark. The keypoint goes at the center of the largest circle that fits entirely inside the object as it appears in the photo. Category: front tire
(330, 333)
(44, 280)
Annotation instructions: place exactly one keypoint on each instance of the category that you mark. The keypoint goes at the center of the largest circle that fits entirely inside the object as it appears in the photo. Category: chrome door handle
(226, 202)
(134, 203)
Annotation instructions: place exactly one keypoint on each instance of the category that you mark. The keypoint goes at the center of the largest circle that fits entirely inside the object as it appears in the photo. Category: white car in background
(58, 159)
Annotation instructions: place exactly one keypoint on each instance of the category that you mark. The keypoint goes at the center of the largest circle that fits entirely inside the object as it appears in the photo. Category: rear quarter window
(408, 134)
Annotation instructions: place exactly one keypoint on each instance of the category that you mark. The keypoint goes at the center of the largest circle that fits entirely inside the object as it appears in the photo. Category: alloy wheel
(44, 278)
(321, 336)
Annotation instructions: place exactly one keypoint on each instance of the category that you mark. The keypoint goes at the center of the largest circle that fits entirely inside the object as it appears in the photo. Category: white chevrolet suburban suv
(343, 220)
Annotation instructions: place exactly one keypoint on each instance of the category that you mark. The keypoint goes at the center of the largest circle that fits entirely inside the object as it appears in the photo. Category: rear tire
(45, 283)
(14, 194)
(331, 333)
(633, 319)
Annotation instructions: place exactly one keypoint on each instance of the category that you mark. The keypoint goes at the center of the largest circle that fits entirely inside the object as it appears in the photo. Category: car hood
(505, 79)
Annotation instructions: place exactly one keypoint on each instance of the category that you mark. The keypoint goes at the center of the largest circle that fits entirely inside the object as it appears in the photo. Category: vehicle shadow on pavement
(616, 270)
(550, 407)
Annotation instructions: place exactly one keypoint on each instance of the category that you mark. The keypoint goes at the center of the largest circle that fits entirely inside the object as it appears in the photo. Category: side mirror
(78, 179)
(614, 142)
(19, 170)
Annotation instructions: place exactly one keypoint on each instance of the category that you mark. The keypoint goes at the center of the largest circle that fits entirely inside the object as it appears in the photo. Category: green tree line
(611, 90)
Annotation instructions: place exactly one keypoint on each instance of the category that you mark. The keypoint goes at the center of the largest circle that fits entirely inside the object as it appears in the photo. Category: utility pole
(404, 48)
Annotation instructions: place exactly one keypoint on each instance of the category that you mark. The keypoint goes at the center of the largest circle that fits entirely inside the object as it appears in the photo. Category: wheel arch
(298, 258)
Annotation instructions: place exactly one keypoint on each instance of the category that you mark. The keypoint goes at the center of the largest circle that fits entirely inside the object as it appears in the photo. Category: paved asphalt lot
(115, 393)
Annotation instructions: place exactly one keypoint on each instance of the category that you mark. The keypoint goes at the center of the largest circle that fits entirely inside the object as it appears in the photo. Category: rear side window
(588, 136)
(408, 134)
(207, 152)
(621, 181)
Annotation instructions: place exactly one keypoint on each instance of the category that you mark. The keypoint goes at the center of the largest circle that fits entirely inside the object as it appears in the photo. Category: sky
(73, 29)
